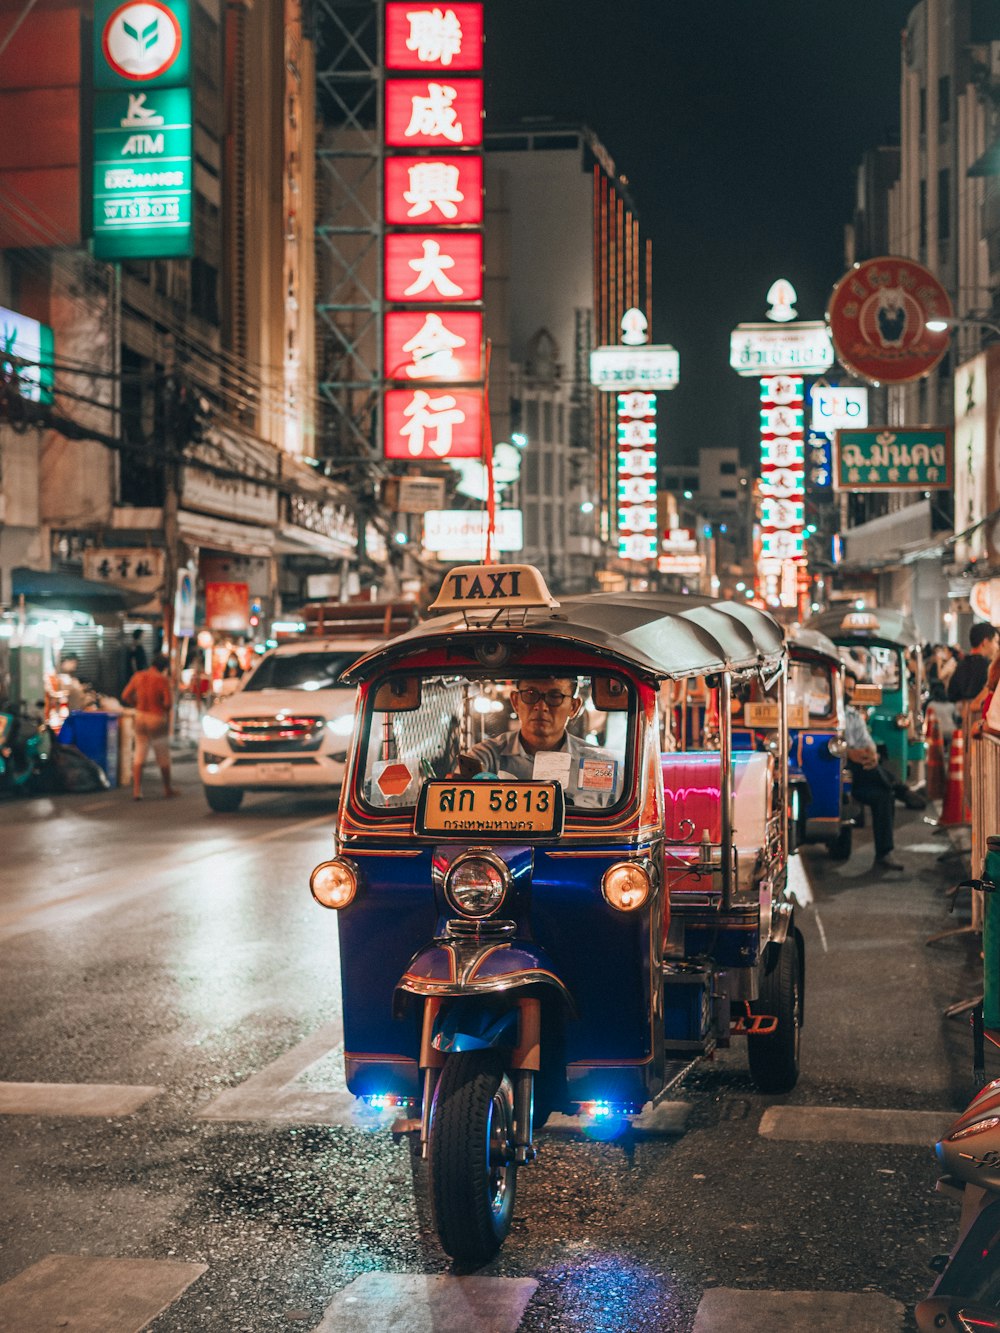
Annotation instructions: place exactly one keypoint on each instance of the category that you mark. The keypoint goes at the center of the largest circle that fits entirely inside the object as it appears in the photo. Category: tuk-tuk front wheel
(472, 1169)
(774, 1057)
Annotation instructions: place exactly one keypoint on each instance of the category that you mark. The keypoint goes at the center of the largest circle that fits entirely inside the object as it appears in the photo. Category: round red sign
(394, 779)
(878, 317)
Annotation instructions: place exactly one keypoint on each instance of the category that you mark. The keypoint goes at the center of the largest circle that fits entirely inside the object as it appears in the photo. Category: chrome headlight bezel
(494, 872)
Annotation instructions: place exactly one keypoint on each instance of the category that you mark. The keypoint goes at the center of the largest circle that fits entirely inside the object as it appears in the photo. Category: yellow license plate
(500, 809)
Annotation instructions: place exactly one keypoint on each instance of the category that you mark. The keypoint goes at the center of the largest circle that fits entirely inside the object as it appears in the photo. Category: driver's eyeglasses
(552, 697)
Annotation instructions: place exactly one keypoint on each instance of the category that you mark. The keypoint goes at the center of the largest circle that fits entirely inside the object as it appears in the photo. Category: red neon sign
(434, 267)
(433, 423)
(434, 191)
(433, 36)
(434, 346)
(434, 113)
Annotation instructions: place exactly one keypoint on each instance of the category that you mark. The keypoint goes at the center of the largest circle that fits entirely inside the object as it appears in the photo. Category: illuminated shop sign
(460, 534)
(434, 191)
(896, 460)
(802, 348)
(438, 37)
(434, 267)
(616, 368)
(433, 423)
(636, 509)
(27, 354)
(444, 346)
(142, 174)
(838, 409)
(432, 113)
(782, 490)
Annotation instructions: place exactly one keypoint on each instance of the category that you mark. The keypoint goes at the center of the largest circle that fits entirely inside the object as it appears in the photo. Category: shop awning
(221, 534)
(69, 592)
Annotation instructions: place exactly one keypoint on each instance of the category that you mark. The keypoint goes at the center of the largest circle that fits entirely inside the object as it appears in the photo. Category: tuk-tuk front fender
(450, 968)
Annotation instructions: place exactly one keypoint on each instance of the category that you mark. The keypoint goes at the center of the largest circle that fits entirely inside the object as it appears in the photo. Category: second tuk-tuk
(881, 650)
(821, 809)
(539, 907)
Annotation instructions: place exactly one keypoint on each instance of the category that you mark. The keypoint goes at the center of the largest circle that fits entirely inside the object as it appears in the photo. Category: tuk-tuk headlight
(476, 885)
(334, 883)
(902, 721)
(837, 746)
(626, 886)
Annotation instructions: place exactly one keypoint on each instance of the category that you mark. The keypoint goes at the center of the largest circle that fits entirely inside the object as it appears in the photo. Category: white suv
(287, 726)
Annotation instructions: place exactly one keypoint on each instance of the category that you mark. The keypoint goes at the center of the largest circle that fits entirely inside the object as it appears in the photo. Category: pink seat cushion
(692, 783)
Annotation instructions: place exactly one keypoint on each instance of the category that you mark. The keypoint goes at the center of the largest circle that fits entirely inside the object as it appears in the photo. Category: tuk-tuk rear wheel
(472, 1169)
(774, 1058)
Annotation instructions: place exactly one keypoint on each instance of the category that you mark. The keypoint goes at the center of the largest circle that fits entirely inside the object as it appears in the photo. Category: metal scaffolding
(349, 233)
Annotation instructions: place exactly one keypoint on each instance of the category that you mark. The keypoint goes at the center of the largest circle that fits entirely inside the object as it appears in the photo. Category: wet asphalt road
(159, 946)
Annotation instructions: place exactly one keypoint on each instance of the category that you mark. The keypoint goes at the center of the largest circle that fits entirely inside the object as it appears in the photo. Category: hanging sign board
(878, 318)
(802, 348)
(618, 369)
(893, 460)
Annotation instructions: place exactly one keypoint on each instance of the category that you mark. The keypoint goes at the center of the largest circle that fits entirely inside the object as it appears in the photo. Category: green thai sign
(883, 459)
(141, 43)
(27, 355)
(142, 174)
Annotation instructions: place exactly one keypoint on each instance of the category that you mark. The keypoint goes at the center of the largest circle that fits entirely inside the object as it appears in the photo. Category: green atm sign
(142, 174)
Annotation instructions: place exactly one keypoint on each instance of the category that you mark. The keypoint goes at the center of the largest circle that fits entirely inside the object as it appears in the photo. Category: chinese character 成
(431, 350)
(433, 185)
(430, 423)
(435, 35)
(434, 116)
(430, 272)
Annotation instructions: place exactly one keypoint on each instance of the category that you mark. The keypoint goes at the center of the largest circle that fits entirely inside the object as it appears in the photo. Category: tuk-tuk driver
(544, 706)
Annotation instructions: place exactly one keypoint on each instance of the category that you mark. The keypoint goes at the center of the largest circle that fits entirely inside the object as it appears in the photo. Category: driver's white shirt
(506, 755)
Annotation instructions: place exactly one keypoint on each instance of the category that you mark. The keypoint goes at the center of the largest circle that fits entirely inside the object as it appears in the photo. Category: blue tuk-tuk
(881, 650)
(819, 776)
(528, 925)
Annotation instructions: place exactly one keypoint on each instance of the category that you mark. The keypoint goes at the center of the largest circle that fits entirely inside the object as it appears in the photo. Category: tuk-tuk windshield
(873, 664)
(561, 728)
(810, 689)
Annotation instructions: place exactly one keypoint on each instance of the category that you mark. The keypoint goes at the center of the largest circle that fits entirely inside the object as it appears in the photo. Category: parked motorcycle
(26, 746)
(966, 1295)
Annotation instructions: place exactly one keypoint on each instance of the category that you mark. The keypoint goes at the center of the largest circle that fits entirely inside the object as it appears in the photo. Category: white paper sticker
(552, 766)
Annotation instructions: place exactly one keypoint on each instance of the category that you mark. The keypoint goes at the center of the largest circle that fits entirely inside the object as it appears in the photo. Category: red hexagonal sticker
(394, 780)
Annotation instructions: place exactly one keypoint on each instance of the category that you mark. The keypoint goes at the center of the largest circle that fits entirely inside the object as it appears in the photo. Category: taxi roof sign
(492, 588)
(860, 620)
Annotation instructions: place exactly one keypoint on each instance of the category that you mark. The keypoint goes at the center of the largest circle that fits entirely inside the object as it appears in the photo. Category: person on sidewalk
(870, 784)
(150, 694)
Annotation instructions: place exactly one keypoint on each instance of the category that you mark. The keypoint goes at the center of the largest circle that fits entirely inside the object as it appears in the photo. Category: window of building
(562, 422)
(532, 419)
(547, 430)
(923, 111)
(944, 98)
(727, 495)
(728, 469)
(944, 204)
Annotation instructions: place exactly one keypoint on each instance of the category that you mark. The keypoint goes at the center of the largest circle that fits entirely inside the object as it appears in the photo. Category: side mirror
(610, 694)
(399, 695)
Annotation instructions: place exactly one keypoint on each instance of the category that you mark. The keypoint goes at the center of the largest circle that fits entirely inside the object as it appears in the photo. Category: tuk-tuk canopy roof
(872, 625)
(667, 636)
(812, 641)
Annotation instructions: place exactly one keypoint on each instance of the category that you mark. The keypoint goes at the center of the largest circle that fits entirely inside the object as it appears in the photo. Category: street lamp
(943, 323)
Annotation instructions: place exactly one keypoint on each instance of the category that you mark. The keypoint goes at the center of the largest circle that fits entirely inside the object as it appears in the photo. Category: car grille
(275, 735)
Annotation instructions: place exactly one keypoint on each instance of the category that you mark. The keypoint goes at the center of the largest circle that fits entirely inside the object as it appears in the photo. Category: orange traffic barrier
(935, 759)
(953, 812)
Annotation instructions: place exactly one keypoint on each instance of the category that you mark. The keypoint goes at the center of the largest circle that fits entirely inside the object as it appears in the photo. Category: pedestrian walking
(150, 694)
(967, 689)
(870, 783)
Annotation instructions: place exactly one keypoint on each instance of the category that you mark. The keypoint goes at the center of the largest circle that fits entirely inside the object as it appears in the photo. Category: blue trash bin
(96, 735)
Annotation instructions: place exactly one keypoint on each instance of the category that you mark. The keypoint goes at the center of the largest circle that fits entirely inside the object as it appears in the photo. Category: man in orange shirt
(149, 693)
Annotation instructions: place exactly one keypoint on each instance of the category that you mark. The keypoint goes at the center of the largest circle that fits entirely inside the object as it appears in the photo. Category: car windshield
(876, 665)
(544, 729)
(301, 671)
(809, 689)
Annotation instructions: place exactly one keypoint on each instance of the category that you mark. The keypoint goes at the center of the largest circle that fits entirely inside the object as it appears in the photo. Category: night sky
(739, 126)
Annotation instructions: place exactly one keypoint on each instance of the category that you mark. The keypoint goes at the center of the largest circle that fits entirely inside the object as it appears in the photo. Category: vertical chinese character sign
(782, 488)
(433, 210)
(637, 527)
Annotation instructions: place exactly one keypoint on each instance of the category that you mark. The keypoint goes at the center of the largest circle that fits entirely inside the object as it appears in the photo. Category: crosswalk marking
(847, 1124)
(723, 1309)
(99, 1099)
(91, 1295)
(276, 1094)
(421, 1303)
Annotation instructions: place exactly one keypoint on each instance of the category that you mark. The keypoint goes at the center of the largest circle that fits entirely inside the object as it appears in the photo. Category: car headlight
(214, 727)
(341, 726)
(476, 884)
(626, 886)
(334, 883)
